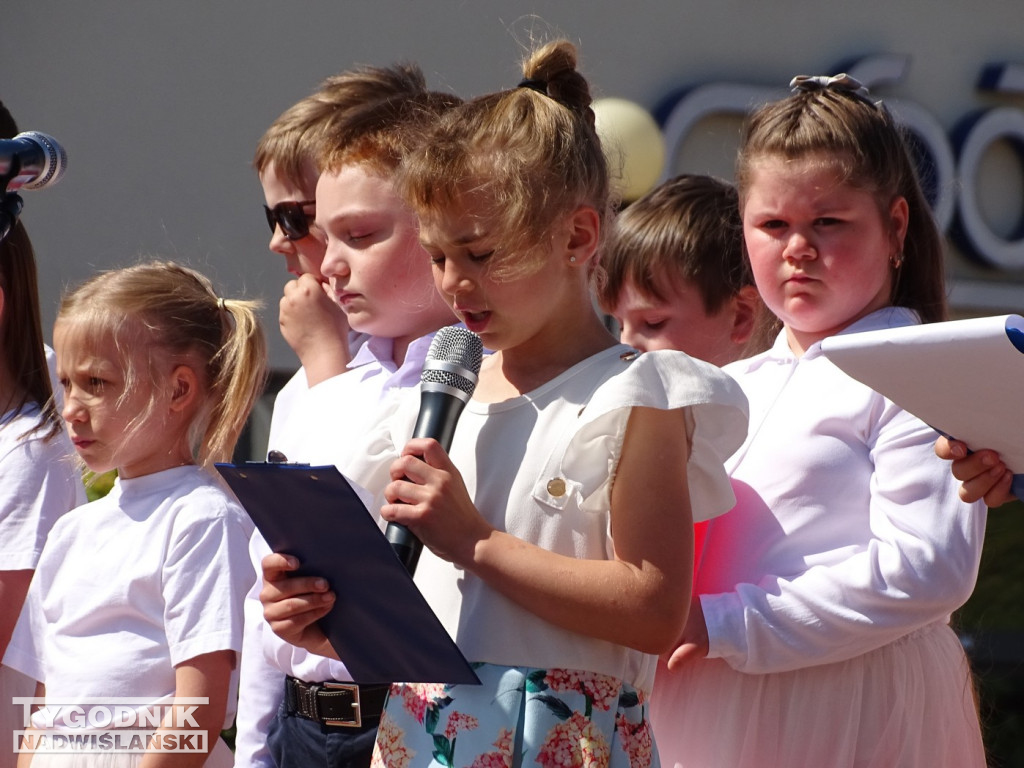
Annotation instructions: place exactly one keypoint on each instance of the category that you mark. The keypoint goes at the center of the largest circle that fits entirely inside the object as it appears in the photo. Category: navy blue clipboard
(381, 626)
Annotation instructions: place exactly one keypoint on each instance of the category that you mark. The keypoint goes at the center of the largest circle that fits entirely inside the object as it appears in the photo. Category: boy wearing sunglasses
(312, 323)
(295, 708)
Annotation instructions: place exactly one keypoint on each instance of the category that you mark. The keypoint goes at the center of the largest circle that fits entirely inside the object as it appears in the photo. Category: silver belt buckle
(357, 715)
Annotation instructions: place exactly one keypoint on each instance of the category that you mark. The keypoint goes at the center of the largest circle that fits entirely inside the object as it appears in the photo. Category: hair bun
(554, 65)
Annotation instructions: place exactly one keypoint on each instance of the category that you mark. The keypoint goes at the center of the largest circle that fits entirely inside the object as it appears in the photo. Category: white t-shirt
(135, 583)
(322, 425)
(540, 467)
(848, 532)
(41, 482)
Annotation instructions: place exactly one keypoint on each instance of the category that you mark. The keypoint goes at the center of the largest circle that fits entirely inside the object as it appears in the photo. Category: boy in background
(674, 276)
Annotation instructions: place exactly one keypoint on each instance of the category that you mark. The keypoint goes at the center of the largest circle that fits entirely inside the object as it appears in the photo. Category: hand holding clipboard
(380, 626)
(962, 377)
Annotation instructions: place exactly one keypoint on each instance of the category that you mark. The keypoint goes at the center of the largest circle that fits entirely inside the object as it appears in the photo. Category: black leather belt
(345, 705)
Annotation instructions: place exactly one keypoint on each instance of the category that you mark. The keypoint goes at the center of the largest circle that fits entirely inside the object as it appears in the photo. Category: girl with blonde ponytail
(140, 592)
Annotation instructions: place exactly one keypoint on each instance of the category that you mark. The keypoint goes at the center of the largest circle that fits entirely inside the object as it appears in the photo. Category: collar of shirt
(379, 352)
(887, 317)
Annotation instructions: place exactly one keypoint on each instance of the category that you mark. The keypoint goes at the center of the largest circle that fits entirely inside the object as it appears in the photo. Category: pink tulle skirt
(908, 704)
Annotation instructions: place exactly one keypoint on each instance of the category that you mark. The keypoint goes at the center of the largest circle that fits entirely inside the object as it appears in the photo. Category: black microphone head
(54, 159)
(453, 362)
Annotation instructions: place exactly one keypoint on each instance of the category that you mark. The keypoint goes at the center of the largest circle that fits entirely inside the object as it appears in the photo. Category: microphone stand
(10, 207)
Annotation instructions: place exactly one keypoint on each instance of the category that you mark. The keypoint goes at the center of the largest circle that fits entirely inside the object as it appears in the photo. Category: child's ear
(899, 214)
(584, 234)
(745, 306)
(184, 388)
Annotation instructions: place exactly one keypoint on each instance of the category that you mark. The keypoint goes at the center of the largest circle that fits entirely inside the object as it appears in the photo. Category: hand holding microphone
(446, 384)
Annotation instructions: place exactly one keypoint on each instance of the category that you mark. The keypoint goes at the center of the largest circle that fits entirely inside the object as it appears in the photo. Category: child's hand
(427, 495)
(293, 604)
(982, 474)
(315, 327)
(693, 645)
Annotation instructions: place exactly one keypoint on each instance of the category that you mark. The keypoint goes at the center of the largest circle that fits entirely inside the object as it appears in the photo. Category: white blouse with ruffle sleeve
(540, 467)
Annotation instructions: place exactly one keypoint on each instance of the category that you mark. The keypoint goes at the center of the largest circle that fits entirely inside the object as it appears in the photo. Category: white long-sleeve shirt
(316, 425)
(848, 532)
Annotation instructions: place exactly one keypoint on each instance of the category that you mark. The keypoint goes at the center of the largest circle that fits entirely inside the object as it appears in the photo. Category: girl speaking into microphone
(559, 526)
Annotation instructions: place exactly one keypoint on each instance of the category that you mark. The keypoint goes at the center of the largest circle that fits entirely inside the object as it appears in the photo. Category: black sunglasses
(291, 217)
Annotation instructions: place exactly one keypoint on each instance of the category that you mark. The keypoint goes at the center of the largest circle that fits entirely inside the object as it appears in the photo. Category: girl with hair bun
(560, 526)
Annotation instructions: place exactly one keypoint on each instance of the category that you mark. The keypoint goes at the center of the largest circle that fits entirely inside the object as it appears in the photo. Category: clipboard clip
(276, 457)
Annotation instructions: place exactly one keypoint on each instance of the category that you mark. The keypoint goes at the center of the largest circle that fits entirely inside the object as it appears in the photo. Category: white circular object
(633, 144)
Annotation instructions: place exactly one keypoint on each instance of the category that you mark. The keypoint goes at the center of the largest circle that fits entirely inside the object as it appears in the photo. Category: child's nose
(799, 247)
(628, 335)
(334, 263)
(281, 244)
(454, 281)
(72, 410)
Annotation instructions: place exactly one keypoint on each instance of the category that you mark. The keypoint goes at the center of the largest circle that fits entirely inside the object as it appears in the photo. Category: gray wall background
(159, 105)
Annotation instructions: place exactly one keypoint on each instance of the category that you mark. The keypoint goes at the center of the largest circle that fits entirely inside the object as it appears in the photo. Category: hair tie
(221, 304)
(841, 82)
(540, 86)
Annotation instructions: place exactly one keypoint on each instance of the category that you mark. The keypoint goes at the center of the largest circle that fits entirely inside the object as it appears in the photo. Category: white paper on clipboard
(965, 378)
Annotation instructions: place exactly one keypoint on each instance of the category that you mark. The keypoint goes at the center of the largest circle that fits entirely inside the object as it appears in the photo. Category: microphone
(446, 384)
(31, 160)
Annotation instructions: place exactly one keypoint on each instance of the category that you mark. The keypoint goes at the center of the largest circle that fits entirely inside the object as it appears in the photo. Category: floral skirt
(518, 716)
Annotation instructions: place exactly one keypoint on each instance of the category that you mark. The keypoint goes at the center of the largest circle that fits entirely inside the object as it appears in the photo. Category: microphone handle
(439, 412)
(406, 546)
